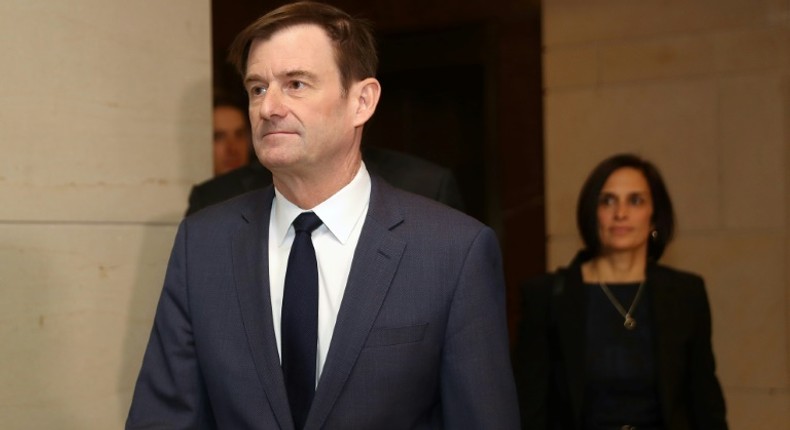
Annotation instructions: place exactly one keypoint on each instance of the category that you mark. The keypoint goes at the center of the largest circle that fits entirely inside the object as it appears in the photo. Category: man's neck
(309, 189)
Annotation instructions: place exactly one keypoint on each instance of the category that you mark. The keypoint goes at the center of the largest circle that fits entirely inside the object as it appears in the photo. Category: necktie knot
(307, 222)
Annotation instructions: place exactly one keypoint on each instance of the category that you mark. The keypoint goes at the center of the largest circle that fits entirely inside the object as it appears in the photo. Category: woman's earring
(654, 234)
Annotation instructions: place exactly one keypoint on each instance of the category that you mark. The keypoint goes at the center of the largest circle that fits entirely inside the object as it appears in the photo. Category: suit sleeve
(170, 393)
(532, 358)
(706, 396)
(477, 387)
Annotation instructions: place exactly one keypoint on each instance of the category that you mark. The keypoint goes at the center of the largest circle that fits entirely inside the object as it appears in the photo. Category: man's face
(231, 139)
(302, 122)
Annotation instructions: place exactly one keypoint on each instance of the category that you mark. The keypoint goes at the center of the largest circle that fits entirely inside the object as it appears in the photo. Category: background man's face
(231, 139)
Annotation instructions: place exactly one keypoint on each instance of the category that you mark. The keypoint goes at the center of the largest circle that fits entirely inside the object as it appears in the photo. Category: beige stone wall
(104, 125)
(702, 88)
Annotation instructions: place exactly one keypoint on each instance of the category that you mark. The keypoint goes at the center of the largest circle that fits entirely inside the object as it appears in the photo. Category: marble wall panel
(659, 58)
(744, 275)
(580, 22)
(757, 409)
(78, 303)
(102, 102)
(751, 49)
(673, 124)
(104, 125)
(754, 133)
(573, 66)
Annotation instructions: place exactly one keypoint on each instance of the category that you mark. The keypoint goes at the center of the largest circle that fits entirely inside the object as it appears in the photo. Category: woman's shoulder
(675, 275)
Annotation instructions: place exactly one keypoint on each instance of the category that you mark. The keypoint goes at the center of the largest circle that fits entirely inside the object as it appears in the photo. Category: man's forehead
(311, 35)
(297, 47)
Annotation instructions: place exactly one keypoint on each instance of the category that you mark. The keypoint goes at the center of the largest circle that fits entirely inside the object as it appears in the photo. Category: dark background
(461, 86)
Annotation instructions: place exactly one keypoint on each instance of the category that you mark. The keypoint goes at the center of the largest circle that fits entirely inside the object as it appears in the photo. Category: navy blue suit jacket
(420, 340)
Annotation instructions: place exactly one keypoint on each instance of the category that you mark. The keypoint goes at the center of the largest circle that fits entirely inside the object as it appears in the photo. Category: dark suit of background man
(411, 332)
(401, 170)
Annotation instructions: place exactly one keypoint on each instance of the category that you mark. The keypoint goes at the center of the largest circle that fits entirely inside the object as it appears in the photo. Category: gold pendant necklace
(630, 322)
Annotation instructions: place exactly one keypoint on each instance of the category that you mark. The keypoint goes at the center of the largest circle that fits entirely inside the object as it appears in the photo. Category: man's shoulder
(421, 213)
(412, 202)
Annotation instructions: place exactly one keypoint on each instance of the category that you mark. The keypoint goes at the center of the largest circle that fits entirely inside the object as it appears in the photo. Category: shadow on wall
(194, 152)
(155, 245)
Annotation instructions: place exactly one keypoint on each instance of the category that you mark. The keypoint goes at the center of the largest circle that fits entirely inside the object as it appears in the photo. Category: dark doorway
(433, 105)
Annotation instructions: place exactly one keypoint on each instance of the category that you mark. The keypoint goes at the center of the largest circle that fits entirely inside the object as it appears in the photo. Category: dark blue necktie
(299, 331)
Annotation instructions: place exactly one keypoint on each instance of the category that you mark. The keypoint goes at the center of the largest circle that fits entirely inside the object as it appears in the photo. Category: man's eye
(257, 91)
(296, 85)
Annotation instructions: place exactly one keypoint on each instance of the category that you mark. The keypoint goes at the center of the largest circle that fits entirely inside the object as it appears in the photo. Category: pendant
(630, 322)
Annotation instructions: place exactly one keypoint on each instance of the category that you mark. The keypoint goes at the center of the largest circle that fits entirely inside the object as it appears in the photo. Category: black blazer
(404, 171)
(550, 351)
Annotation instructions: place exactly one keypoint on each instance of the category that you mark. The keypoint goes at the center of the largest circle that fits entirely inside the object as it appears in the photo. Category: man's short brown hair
(355, 47)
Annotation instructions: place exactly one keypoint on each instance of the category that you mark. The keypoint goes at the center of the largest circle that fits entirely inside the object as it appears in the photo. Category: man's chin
(275, 163)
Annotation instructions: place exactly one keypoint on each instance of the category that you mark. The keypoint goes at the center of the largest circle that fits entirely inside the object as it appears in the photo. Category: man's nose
(271, 104)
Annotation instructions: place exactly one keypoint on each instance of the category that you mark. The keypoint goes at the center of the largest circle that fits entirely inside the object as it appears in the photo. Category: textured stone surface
(104, 125)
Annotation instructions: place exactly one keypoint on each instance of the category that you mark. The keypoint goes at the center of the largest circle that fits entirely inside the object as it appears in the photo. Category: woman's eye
(606, 200)
(636, 200)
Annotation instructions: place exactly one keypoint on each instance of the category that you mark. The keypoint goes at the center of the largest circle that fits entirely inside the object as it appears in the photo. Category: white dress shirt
(343, 215)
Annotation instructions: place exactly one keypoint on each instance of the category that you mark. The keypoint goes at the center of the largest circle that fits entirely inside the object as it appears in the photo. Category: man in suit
(399, 169)
(408, 327)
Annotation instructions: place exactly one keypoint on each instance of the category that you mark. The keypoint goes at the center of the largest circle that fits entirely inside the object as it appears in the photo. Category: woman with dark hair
(615, 340)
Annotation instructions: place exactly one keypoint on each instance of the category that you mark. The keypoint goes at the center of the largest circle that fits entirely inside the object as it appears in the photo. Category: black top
(620, 366)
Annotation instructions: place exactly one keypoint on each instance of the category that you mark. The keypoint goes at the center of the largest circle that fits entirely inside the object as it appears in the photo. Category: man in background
(235, 173)
(232, 143)
(402, 170)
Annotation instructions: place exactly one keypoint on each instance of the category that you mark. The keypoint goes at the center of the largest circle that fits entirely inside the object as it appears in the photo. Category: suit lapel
(375, 262)
(251, 274)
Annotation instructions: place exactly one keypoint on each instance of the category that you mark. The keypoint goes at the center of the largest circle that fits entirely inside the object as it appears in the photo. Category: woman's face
(625, 209)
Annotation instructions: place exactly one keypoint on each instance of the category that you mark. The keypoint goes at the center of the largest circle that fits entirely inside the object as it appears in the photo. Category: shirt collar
(339, 213)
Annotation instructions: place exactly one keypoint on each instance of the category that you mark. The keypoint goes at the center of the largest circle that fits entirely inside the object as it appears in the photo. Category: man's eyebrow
(252, 78)
(298, 73)
(291, 74)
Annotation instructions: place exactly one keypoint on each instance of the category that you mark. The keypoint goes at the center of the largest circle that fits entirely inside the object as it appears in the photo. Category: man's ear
(367, 95)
